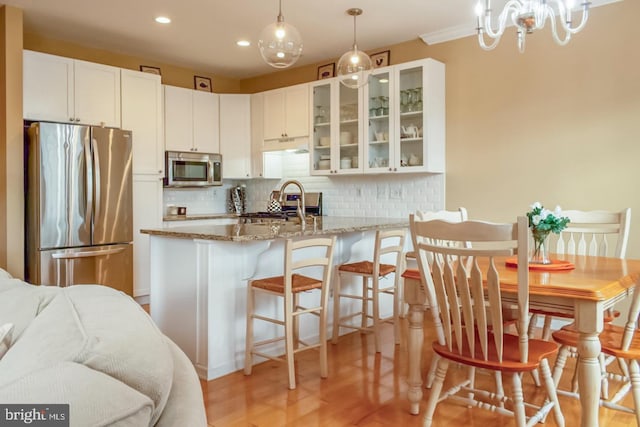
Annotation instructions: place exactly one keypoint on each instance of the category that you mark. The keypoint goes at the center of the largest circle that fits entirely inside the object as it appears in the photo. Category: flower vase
(539, 251)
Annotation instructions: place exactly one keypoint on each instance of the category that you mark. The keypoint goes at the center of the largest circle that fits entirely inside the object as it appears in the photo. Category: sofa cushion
(104, 330)
(21, 302)
(94, 399)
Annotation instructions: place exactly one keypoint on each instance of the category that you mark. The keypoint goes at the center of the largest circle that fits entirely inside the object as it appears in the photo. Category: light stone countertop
(189, 217)
(249, 232)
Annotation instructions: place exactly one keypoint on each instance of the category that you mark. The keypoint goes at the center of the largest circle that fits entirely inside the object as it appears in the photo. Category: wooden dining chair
(468, 300)
(388, 243)
(594, 233)
(411, 264)
(313, 257)
(410, 257)
(617, 342)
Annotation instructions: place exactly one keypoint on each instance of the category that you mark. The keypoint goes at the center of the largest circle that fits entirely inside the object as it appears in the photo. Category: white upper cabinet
(178, 118)
(264, 164)
(235, 135)
(394, 124)
(141, 95)
(67, 90)
(191, 120)
(419, 117)
(286, 116)
(337, 129)
(206, 122)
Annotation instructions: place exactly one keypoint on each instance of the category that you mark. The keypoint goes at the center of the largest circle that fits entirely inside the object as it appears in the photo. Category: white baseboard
(142, 299)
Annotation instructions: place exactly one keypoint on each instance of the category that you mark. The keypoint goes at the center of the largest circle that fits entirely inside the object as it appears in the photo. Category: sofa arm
(185, 406)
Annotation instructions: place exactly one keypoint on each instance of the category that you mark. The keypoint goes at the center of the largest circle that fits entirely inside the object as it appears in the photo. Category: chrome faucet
(302, 207)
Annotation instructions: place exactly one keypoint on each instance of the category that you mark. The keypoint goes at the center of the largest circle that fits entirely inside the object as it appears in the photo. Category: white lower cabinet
(147, 213)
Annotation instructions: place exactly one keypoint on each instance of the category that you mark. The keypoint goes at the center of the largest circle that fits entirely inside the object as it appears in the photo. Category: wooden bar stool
(386, 242)
(289, 286)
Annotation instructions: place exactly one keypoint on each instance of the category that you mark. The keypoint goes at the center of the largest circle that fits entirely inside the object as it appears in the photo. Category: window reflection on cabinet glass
(411, 117)
(322, 127)
(348, 127)
(379, 121)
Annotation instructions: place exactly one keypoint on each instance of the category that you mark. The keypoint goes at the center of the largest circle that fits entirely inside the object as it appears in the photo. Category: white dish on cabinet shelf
(324, 164)
(345, 138)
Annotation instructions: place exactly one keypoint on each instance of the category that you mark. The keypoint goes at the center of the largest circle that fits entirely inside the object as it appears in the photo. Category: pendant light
(354, 66)
(280, 44)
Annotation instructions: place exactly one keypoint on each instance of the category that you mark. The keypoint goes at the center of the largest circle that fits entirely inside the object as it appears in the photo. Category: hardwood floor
(363, 389)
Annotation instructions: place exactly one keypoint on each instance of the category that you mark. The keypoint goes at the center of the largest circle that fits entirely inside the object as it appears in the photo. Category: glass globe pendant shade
(280, 44)
(354, 68)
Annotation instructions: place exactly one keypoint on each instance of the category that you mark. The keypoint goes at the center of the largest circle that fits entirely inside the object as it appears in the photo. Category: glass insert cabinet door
(378, 134)
(322, 135)
(349, 130)
(411, 123)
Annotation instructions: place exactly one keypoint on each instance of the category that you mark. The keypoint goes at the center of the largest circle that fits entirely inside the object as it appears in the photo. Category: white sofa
(97, 350)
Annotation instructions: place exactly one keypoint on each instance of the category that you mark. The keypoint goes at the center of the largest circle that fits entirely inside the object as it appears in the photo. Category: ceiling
(203, 33)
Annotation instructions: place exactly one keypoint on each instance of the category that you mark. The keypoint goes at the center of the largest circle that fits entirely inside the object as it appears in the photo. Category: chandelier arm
(522, 39)
(502, 19)
(554, 30)
(484, 45)
(583, 21)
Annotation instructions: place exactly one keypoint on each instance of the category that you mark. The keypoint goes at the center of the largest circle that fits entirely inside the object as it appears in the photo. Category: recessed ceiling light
(243, 43)
(163, 20)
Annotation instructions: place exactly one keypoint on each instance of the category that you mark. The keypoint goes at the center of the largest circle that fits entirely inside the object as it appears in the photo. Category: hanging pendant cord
(354, 33)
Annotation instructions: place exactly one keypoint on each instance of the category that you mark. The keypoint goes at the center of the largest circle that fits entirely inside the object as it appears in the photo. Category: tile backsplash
(384, 196)
(207, 200)
(390, 196)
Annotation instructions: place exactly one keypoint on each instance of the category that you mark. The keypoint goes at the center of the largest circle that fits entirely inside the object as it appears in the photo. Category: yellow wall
(556, 124)
(559, 125)
(171, 74)
(11, 170)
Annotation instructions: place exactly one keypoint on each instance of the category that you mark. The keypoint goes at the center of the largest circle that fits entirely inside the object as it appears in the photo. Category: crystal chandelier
(280, 44)
(355, 65)
(527, 16)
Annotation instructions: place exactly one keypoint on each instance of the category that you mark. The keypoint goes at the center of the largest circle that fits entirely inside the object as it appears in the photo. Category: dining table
(586, 291)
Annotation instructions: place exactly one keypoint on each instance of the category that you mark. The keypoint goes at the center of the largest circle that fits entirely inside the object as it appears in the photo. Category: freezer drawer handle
(68, 258)
(87, 254)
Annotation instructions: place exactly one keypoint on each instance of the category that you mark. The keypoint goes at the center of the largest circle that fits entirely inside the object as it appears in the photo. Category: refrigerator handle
(87, 254)
(69, 256)
(88, 179)
(96, 165)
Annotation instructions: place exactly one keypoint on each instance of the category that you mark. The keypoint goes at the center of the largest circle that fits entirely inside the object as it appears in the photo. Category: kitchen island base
(199, 288)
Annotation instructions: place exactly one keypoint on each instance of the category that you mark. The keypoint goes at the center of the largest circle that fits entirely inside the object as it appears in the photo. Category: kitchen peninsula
(199, 280)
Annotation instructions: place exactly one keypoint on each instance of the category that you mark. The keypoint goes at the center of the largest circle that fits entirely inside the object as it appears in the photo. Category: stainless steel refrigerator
(79, 226)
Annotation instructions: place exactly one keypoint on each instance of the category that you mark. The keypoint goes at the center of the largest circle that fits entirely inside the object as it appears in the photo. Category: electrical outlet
(395, 192)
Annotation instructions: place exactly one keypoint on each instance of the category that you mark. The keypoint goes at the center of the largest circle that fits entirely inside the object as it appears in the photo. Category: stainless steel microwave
(192, 169)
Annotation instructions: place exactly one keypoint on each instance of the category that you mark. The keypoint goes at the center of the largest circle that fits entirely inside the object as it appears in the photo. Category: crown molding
(461, 31)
